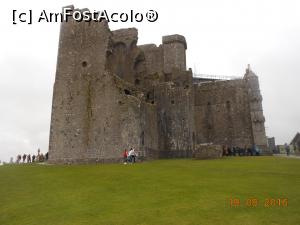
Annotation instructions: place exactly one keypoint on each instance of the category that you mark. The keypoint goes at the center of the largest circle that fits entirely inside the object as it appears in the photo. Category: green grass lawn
(157, 192)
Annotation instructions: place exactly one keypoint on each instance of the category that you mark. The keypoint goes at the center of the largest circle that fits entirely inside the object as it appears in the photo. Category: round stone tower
(174, 47)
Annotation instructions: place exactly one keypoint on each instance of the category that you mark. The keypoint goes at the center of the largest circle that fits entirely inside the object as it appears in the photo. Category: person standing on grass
(254, 150)
(287, 149)
(18, 159)
(28, 158)
(46, 156)
(129, 156)
(41, 158)
(38, 155)
(125, 156)
(33, 158)
(257, 150)
(223, 150)
(24, 158)
(132, 155)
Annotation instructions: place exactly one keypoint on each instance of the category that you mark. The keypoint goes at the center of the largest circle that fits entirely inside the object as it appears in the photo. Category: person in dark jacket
(24, 158)
(287, 149)
(46, 156)
(28, 158)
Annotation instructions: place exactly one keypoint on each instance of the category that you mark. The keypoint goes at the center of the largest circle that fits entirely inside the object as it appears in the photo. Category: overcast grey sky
(222, 37)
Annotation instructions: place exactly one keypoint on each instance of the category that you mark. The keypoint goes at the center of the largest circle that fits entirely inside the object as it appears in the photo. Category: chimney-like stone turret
(174, 47)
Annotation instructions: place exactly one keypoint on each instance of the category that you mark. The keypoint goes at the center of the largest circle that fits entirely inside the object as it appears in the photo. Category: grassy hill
(158, 192)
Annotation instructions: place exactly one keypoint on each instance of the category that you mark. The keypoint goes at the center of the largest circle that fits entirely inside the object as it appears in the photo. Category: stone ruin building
(111, 94)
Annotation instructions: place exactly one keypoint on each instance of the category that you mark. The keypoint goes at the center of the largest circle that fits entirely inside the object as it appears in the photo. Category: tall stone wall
(95, 113)
(153, 58)
(230, 113)
(175, 110)
(78, 68)
(149, 135)
(222, 113)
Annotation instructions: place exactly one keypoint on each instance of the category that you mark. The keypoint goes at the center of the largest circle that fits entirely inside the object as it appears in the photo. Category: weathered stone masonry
(111, 94)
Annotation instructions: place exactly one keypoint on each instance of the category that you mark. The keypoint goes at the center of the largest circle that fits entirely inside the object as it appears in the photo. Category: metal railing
(216, 77)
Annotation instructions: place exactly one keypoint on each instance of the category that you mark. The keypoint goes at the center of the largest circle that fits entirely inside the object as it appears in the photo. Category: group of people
(129, 157)
(238, 151)
(27, 158)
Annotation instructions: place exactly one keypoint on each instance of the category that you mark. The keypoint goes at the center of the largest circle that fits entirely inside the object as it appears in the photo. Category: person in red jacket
(125, 156)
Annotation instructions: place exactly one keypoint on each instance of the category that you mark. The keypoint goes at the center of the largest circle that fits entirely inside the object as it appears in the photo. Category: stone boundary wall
(207, 151)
